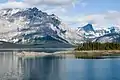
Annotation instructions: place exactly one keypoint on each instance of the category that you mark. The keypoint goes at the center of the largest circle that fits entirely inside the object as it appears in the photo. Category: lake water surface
(13, 67)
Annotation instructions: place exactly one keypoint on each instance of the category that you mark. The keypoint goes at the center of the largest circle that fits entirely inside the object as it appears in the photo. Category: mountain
(87, 28)
(110, 34)
(112, 37)
(32, 26)
(87, 31)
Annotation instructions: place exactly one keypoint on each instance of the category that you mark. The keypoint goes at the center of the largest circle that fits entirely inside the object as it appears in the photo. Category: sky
(75, 13)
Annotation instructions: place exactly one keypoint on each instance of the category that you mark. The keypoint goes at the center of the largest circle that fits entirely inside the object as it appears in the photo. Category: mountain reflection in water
(13, 67)
(39, 68)
(45, 68)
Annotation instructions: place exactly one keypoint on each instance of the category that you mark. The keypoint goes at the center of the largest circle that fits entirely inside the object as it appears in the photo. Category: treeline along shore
(97, 50)
(98, 46)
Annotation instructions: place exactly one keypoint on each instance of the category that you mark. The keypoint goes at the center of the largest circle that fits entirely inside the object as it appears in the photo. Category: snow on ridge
(24, 23)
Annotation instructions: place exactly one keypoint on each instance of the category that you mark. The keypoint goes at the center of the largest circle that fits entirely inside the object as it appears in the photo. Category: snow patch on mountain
(32, 25)
(101, 35)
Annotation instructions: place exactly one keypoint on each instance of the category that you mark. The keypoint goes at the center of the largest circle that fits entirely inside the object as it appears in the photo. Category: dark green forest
(98, 46)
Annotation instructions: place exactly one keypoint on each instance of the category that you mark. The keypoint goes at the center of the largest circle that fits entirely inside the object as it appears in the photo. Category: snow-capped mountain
(87, 31)
(111, 34)
(87, 28)
(32, 26)
(112, 37)
(100, 35)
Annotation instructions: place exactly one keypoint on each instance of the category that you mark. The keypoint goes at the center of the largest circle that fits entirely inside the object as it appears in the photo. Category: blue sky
(96, 6)
(75, 13)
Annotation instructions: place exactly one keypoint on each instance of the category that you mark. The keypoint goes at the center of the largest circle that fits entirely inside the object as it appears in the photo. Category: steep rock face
(32, 26)
(87, 28)
(87, 31)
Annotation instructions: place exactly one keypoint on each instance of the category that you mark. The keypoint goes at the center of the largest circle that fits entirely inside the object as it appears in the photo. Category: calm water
(54, 68)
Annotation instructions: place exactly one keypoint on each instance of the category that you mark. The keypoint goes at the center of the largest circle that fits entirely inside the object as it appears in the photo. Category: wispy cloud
(14, 4)
(49, 2)
(108, 19)
(58, 7)
(103, 20)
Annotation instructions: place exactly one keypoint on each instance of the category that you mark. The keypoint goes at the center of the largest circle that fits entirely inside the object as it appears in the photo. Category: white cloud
(84, 4)
(108, 19)
(59, 7)
(13, 4)
(55, 11)
(38, 3)
(49, 2)
(103, 20)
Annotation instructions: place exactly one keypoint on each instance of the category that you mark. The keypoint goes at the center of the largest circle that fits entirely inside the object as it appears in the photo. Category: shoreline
(98, 51)
(72, 54)
(97, 54)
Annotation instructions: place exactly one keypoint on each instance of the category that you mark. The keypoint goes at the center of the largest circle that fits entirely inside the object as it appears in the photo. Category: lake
(13, 67)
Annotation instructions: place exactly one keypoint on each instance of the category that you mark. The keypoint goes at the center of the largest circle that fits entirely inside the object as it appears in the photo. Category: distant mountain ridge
(110, 34)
